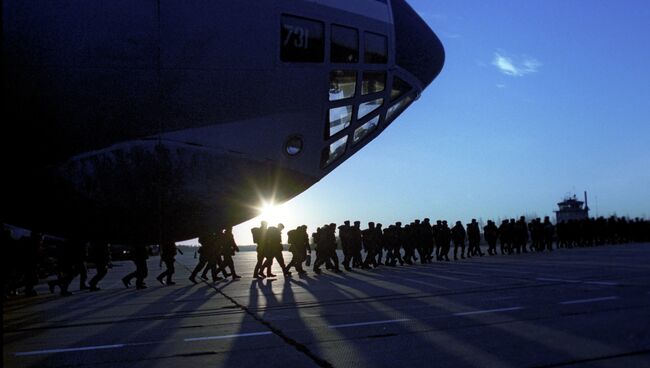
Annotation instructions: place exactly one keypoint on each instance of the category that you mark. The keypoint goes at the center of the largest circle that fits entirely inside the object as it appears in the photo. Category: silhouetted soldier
(379, 243)
(549, 232)
(215, 262)
(80, 255)
(326, 248)
(491, 233)
(369, 239)
(389, 242)
(330, 242)
(474, 239)
(397, 242)
(274, 249)
(72, 264)
(511, 231)
(321, 247)
(419, 241)
(426, 232)
(504, 239)
(100, 255)
(344, 236)
(536, 235)
(355, 245)
(416, 240)
(601, 230)
(299, 247)
(561, 241)
(318, 247)
(435, 229)
(139, 256)
(521, 235)
(458, 236)
(259, 238)
(65, 267)
(408, 239)
(203, 257)
(228, 250)
(168, 256)
(445, 237)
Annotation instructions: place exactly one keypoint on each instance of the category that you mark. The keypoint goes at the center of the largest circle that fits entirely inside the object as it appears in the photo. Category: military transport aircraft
(136, 120)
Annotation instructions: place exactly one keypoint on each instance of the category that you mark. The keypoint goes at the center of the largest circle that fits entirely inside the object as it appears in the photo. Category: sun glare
(273, 213)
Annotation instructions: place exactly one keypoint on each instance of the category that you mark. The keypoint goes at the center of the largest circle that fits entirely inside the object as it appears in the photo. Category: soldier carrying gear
(299, 247)
(458, 236)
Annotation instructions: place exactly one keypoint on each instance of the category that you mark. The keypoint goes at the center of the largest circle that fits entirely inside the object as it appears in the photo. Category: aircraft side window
(334, 151)
(373, 82)
(294, 145)
(400, 88)
(365, 129)
(397, 108)
(345, 45)
(376, 48)
(368, 107)
(301, 40)
(343, 83)
(339, 119)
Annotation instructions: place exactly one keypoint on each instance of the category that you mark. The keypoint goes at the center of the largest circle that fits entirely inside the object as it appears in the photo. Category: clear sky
(538, 99)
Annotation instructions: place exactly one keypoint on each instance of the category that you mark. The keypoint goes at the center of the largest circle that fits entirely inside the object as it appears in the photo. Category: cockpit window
(365, 129)
(339, 119)
(373, 82)
(376, 49)
(368, 107)
(342, 84)
(334, 151)
(345, 45)
(400, 88)
(301, 40)
(397, 108)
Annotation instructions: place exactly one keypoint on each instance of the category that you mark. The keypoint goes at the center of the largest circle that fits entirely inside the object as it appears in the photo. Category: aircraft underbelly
(142, 190)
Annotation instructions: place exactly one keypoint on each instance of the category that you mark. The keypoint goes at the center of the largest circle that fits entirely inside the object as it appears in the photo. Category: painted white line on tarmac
(487, 311)
(451, 278)
(442, 277)
(369, 323)
(192, 339)
(118, 346)
(505, 298)
(592, 300)
(486, 268)
(558, 280)
(68, 350)
(606, 283)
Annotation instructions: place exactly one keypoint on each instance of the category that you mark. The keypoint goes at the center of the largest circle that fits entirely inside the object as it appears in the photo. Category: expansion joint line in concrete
(595, 359)
(297, 345)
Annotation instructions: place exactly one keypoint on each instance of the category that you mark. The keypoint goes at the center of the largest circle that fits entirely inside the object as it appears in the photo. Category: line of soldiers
(23, 263)
(423, 241)
(215, 256)
(27, 260)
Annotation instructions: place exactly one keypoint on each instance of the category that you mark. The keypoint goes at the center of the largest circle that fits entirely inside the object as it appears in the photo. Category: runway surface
(587, 307)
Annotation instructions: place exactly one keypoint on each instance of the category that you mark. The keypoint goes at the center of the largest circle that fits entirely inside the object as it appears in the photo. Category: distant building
(572, 209)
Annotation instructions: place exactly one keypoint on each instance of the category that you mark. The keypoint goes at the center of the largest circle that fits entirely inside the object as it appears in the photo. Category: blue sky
(537, 99)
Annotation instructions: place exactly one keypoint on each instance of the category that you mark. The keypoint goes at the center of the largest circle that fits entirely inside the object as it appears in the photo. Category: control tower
(572, 209)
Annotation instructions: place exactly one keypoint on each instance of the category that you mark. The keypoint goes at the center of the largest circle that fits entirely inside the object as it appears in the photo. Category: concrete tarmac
(586, 307)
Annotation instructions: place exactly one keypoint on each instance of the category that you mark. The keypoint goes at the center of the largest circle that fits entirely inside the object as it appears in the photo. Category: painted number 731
(297, 37)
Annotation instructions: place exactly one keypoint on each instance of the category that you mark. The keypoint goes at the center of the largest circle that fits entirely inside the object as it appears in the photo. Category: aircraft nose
(418, 49)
